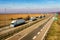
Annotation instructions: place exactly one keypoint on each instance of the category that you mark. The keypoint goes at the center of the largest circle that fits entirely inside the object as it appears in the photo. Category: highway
(29, 33)
(41, 34)
(12, 31)
(8, 27)
(40, 30)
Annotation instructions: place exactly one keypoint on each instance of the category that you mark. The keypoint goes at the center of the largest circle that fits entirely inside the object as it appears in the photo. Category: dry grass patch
(54, 32)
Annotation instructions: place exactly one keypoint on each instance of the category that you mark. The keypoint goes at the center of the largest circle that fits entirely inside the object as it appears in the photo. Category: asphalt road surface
(30, 32)
(6, 33)
(41, 34)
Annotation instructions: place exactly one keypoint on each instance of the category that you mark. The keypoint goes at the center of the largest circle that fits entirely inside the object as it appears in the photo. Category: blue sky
(29, 4)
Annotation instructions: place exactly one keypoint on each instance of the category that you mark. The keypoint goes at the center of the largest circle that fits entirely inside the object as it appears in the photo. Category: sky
(28, 5)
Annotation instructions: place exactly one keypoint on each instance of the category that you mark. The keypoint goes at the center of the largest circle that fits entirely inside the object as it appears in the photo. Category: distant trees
(12, 19)
(15, 18)
(27, 18)
(20, 18)
(44, 15)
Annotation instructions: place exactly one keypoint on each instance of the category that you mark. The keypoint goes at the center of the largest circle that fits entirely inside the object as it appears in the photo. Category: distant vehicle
(15, 23)
(32, 18)
(37, 17)
(40, 16)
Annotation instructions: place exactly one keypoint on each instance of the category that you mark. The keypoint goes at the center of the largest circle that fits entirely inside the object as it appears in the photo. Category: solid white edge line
(38, 33)
(45, 33)
(41, 29)
(34, 37)
(22, 37)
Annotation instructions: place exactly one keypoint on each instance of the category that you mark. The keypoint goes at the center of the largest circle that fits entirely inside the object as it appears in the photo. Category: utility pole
(6, 16)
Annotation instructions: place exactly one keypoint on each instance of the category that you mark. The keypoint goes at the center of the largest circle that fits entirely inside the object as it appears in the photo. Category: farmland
(7, 31)
(5, 19)
(9, 16)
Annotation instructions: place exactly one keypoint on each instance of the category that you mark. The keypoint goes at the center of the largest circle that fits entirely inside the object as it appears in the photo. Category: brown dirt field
(5, 18)
(9, 16)
(4, 23)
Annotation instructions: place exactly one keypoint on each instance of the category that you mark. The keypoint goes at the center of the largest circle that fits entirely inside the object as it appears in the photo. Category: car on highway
(40, 16)
(33, 19)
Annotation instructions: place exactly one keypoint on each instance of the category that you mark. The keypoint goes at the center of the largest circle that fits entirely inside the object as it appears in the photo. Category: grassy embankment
(54, 31)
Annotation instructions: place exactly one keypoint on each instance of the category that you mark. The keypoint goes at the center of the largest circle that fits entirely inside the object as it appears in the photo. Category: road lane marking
(41, 29)
(38, 33)
(46, 30)
(34, 37)
(22, 37)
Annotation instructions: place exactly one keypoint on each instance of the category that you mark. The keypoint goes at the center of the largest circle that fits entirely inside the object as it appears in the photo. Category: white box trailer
(15, 23)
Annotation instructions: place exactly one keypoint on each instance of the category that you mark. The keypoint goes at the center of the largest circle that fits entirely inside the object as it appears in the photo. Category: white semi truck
(15, 23)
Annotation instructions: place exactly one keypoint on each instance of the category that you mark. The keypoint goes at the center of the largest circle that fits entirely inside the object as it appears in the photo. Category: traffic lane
(26, 31)
(2, 30)
(6, 32)
(12, 31)
(44, 30)
(8, 27)
(33, 33)
(41, 22)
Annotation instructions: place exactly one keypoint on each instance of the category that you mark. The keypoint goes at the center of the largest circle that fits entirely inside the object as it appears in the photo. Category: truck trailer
(15, 23)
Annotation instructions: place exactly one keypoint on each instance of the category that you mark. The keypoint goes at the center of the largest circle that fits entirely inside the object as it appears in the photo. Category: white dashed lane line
(34, 37)
(41, 29)
(38, 33)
